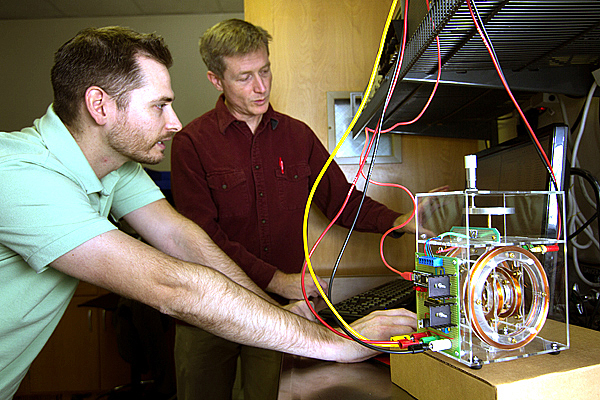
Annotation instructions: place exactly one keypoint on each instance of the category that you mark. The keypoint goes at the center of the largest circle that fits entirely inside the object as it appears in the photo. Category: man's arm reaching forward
(205, 297)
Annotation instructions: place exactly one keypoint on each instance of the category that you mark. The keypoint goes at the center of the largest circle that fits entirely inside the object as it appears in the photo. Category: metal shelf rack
(544, 46)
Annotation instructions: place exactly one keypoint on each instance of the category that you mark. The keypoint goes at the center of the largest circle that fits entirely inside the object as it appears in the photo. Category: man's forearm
(232, 312)
(201, 296)
(242, 317)
(202, 250)
(181, 238)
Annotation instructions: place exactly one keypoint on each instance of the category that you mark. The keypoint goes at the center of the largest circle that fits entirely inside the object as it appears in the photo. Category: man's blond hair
(232, 37)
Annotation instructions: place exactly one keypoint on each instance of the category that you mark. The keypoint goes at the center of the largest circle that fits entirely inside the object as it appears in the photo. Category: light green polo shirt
(50, 202)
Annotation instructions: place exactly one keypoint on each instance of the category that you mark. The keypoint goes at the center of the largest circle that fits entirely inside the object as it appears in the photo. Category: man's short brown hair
(103, 57)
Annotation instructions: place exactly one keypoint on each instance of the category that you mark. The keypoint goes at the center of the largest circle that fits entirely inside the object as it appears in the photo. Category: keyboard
(398, 293)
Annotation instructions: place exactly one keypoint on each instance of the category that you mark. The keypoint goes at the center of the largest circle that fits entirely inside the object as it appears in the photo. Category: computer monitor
(516, 166)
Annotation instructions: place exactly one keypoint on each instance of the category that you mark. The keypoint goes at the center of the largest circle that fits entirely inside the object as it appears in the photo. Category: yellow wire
(329, 160)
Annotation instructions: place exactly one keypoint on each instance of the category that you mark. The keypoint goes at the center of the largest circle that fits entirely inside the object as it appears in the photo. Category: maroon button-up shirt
(248, 191)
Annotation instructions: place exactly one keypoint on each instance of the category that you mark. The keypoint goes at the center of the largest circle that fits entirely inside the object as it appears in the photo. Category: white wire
(579, 273)
(584, 189)
(586, 109)
(574, 206)
(575, 212)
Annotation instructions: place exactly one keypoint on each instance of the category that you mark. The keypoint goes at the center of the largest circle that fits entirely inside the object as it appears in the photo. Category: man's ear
(215, 80)
(96, 103)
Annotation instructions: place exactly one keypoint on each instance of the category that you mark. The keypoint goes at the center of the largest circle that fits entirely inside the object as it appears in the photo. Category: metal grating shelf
(542, 45)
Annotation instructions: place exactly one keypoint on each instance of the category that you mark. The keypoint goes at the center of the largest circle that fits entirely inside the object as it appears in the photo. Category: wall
(320, 46)
(28, 48)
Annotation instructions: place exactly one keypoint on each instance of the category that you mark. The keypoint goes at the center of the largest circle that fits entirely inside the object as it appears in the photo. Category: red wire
(505, 84)
(363, 158)
(405, 275)
(366, 150)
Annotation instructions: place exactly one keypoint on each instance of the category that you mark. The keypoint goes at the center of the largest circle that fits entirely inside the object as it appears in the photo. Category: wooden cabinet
(82, 354)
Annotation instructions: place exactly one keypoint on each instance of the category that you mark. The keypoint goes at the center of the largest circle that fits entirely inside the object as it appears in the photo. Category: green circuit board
(435, 296)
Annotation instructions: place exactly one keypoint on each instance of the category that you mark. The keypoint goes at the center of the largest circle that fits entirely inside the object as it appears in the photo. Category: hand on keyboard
(397, 293)
(383, 324)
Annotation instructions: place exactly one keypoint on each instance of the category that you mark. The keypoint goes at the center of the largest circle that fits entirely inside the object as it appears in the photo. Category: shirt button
(266, 249)
(295, 176)
(264, 221)
(257, 167)
(224, 186)
(261, 194)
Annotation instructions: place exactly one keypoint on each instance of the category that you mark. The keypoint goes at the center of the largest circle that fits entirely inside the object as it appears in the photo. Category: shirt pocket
(230, 193)
(292, 186)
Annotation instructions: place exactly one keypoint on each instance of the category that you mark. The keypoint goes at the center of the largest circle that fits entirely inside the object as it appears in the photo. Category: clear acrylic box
(490, 273)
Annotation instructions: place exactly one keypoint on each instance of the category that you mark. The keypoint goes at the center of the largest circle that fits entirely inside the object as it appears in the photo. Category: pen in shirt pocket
(281, 166)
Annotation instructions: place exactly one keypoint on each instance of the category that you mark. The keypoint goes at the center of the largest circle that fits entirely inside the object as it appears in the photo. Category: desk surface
(307, 379)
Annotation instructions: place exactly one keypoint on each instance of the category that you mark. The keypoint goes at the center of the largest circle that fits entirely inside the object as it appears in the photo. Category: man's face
(246, 84)
(140, 130)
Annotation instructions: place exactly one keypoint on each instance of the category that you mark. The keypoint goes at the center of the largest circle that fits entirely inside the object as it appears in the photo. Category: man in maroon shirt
(243, 172)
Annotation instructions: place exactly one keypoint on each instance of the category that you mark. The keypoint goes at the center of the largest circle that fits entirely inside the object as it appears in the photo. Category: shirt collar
(65, 149)
(225, 118)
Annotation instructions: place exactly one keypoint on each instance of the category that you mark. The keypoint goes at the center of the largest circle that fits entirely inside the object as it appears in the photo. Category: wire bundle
(373, 144)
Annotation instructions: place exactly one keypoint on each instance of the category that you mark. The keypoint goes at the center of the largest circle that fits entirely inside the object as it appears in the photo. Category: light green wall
(28, 48)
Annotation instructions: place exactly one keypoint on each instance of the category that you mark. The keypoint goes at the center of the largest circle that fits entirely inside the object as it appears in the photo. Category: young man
(243, 172)
(60, 180)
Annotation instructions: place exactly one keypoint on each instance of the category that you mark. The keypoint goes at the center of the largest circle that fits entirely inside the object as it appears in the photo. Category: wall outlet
(543, 100)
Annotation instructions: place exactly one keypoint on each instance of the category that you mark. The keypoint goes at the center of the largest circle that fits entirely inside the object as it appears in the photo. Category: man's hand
(290, 285)
(300, 308)
(379, 325)
(383, 324)
(411, 226)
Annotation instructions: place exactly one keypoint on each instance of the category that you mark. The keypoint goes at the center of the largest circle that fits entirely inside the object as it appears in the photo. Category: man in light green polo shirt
(46, 161)
(78, 164)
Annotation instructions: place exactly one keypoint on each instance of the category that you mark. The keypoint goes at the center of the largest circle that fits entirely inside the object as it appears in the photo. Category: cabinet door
(69, 361)
(114, 371)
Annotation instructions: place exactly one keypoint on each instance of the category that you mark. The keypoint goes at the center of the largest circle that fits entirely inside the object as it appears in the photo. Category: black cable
(578, 119)
(582, 227)
(414, 349)
(351, 229)
(371, 165)
(420, 348)
(586, 175)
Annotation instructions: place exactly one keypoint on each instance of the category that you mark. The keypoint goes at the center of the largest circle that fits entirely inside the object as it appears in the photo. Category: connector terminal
(440, 345)
(431, 338)
(420, 281)
(431, 261)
